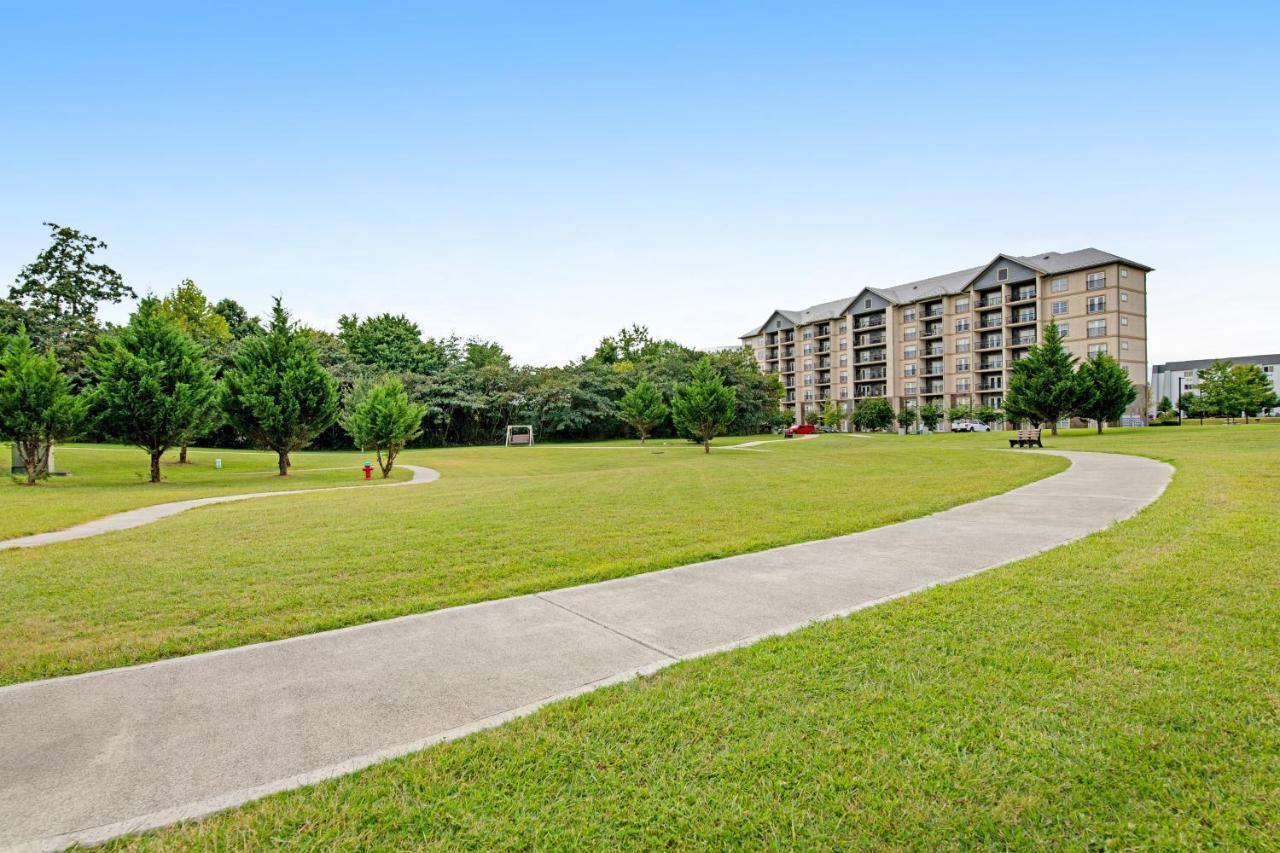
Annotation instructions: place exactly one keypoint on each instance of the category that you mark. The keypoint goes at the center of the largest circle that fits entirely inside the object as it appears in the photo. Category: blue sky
(543, 174)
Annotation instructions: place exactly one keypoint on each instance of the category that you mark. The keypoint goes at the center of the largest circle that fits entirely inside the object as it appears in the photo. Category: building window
(962, 325)
(844, 393)
(1095, 281)
(1002, 274)
(808, 335)
(1059, 285)
(962, 305)
(1063, 329)
(808, 380)
(1124, 297)
(844, 377)
(808, 349)
(909, 370)
(866, 304)
(1097, 328)
(962, 345)
(844, 344)
(962, 385)
(962, 365)
(808, 364)
(1124, 321)
(1097, 304)
(1124, 345)
(1124, 273)
(1097, 349)
(844, 327)
(844, 361)
(1060, 307)
(908, 315)
(909, 352)
(1268, 368)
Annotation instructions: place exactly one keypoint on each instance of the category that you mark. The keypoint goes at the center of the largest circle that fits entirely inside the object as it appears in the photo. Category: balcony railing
(989, 301)
(991, 364)
(934, 349)
(869, 322)
(869, 340)
(1022, 317)
(869, 357)
(931, 312)
(932, 332)
(872, 374)
(992, 386)
(933, 389)
(991, 343)
(1023, 294)
(991, 322)
(1022, 340)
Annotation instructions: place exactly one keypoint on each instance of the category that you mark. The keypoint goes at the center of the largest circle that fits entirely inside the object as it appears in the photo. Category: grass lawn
(500, 522)
(1119, 692)
(109, 478)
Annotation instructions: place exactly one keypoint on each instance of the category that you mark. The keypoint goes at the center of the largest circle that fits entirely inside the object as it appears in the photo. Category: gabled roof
(1046, 263)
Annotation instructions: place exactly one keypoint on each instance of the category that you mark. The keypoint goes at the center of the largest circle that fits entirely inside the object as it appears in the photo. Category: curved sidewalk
(155, 512)
(88, 757)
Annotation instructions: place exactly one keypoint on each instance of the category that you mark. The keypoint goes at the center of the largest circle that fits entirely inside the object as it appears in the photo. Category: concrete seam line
(542, 597)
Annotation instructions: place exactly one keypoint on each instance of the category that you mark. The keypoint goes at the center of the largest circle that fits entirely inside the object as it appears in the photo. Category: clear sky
(543, 174)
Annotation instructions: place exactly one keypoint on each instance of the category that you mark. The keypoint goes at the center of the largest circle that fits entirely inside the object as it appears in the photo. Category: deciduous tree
(277, 394)
(873, 414)
(930, 416)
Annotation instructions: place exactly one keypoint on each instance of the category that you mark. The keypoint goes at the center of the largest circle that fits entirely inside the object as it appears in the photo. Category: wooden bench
(1026, 438)
(522, 438)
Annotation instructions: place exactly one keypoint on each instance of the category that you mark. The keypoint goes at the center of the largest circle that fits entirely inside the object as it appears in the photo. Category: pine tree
(1104, 390)
(642, 408)
(37, 409)
(383, 419)
(704, 406)
(152, 383)
(278, 395)
(1042, 385)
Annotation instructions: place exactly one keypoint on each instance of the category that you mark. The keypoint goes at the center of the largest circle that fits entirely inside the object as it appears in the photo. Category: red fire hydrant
(368, 471)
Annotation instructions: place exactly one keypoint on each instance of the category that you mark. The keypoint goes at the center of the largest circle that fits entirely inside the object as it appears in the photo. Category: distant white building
(1174, 378)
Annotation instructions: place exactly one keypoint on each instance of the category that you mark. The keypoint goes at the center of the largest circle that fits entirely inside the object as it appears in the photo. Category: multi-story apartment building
(1175, 377)
(951, 339)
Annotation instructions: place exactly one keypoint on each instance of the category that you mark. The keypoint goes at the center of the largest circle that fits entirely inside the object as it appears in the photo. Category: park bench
(1026, 438)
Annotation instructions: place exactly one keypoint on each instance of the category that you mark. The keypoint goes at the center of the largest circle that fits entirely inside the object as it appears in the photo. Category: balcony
(990, 301)
(935, 311)
(1022, 294)
(993, 321)
(933, 349)
(991, 343)
(934, 331)
(1022, 340)
(932, 388)
(1023, 316)
(874, 322)
(870, 357)
(908, 336)
(991, 364)
(869, 340)
(869, 391)
(880, 373)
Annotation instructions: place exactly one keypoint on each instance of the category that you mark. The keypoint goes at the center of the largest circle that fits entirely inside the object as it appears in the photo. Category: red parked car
(802, 429)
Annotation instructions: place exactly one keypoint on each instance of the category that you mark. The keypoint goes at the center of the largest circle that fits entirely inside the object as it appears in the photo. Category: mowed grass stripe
(1119, 692)
(499, 523)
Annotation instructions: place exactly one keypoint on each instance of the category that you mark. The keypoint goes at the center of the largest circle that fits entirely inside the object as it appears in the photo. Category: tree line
(1224, 390)
(186, 369)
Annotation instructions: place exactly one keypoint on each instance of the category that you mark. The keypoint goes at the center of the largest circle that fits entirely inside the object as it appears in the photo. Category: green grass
(500, 522)
(1119, 692)
(106, 478)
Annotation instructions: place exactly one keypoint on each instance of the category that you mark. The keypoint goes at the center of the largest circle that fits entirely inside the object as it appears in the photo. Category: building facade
(1174, 378)
(950, 340)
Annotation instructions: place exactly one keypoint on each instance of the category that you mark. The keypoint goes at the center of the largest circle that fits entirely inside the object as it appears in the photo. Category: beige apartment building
(950, 340)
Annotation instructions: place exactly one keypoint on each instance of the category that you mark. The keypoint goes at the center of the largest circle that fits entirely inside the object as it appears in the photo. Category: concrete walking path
(155, 512)
(88, 757)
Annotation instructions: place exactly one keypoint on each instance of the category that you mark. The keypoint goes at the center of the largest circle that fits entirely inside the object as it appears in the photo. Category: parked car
(969, 426)
(802, 429)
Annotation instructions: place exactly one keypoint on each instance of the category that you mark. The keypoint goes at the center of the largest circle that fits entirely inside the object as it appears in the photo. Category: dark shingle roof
(1049, 263)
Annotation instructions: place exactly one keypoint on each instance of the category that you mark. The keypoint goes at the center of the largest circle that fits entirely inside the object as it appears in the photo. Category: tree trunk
(155, 465)
(391, 460)
(31, 458)
(284, 462)
(642, 436)
(1053, 428)
(1099, 426)
(706, 445)
(182, 455)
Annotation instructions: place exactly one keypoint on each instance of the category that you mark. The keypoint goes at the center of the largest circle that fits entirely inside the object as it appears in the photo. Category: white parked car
(969, 426)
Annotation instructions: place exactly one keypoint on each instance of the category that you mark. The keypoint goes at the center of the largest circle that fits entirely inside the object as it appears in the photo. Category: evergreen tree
(873, 414)
(37, 408)
(1104, 390)
(382, 419)
(152, 383)
(1042, 385)
(642, 408)
(278, 395)
(238, 321)
(1165, 405)
(704, 406)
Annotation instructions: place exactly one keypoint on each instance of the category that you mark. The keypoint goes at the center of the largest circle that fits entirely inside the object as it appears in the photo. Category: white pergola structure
(519, 439)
